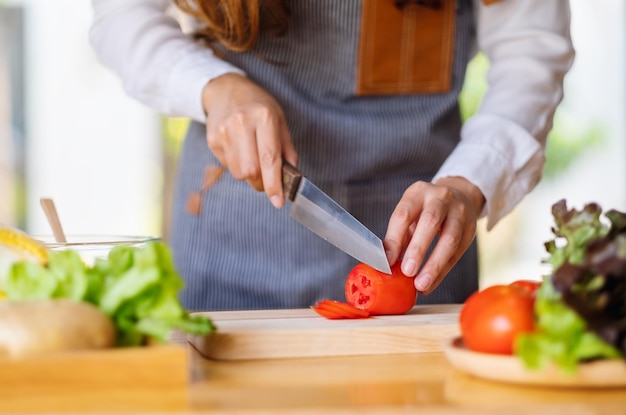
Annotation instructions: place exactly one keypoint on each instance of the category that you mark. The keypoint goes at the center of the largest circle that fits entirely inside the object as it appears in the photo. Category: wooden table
(379, 384)
(375, 384)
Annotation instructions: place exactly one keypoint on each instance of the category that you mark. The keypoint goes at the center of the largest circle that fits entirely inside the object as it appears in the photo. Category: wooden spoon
(53, 219)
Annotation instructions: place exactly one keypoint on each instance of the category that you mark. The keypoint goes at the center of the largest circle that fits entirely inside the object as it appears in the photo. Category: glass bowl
(90, 247)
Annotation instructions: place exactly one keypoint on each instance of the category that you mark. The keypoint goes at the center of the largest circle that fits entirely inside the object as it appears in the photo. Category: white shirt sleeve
(502, 146)
(160, 65)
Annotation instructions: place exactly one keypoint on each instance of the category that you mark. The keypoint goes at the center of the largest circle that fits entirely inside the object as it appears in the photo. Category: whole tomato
(379, 293)
(491, 319)
(529, 285)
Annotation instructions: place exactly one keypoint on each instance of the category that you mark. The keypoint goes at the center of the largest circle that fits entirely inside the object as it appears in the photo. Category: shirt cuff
(188, 78)
(499, 157)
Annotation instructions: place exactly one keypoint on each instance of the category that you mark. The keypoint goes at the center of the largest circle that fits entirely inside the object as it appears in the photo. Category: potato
(47, 326)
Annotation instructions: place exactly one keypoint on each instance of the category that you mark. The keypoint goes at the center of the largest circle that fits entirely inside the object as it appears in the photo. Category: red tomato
(379, 293)
(329, 314)
(337, 310)
(530, 286)
(491, 319)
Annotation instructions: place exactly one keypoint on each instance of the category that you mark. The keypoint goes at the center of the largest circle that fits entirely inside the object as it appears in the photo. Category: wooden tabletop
(369, 384)
(399, 383)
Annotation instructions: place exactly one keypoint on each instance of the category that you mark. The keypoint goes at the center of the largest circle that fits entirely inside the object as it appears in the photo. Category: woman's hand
(449, 208)
(247, 132)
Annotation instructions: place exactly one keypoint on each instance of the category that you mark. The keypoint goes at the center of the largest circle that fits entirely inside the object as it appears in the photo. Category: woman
(362, 95)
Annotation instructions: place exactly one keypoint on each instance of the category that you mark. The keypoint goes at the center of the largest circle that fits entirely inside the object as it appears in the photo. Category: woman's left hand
(449, 208)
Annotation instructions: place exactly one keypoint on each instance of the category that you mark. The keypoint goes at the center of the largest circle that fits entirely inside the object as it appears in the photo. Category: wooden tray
(147, 378)
(599, 374)
(271, 334)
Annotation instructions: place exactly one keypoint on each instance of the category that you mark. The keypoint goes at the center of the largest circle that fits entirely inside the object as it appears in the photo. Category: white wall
(90, 147)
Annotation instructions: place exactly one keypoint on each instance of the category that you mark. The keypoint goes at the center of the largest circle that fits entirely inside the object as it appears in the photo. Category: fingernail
(390, 258)
(423, 282)
(409, 267)
(276, 201)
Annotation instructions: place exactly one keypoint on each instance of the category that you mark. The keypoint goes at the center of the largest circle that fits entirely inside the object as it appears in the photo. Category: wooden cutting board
(271, 334)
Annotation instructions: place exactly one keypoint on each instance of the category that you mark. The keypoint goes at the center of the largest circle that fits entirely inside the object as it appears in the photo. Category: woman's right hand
(247, 132)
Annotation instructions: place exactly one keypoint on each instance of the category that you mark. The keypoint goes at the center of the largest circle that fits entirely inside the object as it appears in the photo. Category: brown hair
(236, 24)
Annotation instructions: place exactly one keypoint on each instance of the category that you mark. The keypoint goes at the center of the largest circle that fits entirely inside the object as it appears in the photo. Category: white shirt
(502, 146)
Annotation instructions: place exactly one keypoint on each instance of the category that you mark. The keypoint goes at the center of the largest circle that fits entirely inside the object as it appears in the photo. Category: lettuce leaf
(561, 336)
(137, 287)
(581, 306)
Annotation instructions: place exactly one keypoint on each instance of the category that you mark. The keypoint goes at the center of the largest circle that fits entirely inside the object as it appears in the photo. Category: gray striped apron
(240, 252)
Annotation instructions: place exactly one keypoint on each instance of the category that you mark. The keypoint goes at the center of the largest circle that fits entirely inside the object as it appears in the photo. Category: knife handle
(291, 180)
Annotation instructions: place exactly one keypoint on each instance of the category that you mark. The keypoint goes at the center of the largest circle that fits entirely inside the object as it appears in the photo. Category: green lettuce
(581, 306)
(561, 336)
(136, 286)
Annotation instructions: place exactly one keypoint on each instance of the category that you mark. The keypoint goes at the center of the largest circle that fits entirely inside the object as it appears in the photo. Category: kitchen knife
(323, 216)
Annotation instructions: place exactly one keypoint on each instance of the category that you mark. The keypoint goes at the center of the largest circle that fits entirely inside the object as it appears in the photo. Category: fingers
(455, 236)
(425, 213)
(426, 216)
(247, 132)
(232, 139)
(269, 147)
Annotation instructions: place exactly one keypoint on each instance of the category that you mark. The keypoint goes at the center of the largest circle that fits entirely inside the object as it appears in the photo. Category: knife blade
(319, 213)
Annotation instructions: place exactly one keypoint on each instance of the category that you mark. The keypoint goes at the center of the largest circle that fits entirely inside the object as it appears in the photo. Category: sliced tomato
(333, 315)
(347, 309)
(337, 310)
(379, 293)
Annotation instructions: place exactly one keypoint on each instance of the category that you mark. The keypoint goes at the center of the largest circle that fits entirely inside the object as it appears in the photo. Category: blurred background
(68, 131)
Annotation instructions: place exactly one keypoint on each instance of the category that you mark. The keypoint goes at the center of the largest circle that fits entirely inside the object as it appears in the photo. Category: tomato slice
(337, 310)
(327, 313)
(347, 309)
(379, 293)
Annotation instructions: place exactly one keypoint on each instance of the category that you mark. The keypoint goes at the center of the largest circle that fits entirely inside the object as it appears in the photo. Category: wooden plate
(599, 374)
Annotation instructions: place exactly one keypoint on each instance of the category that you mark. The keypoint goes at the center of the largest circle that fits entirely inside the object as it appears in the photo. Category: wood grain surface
(122, 379)
(273, 334)
(605, 373)
(397, 383)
